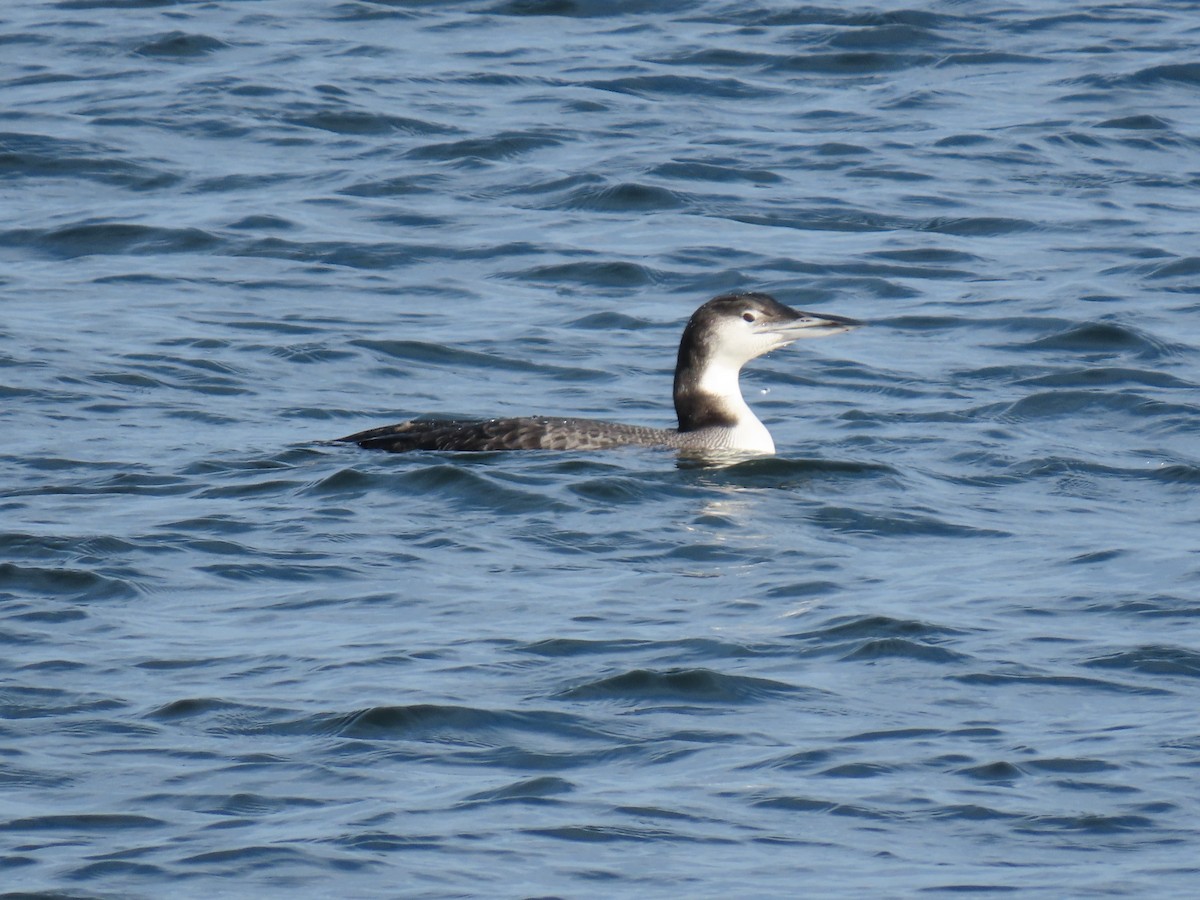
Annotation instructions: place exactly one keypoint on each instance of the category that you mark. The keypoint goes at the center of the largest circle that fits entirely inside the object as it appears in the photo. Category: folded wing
(525, 433)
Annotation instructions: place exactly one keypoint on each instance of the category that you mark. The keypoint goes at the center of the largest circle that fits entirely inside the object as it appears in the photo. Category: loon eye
(748, 316)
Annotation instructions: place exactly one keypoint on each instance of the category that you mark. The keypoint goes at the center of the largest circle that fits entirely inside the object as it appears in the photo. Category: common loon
(721, 336)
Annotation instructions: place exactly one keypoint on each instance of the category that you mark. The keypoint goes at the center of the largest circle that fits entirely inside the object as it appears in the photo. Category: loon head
(722, 336)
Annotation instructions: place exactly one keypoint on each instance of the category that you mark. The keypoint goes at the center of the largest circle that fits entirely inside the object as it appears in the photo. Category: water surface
(944, 642)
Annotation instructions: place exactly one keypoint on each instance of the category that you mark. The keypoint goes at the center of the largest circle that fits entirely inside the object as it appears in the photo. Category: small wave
(241, 861)
(850, 520)
(375, 841)
(1000, 772)
(782, 471)
(603, 834)
(397, 186)
(978, 226)
(427, 354)
(194, 374)
(457, 485)
(625, 198)
(585, 9)
(771, 15)
(857, 770)
(1066, 682)
(558, 185)
(261, 488)
(1183, 267)
(823, 219)
(656, 86)
(991, 58)
(1063, 403)
(928, 255)
(873, 628)
(890, 36)
(1103, 338)
(357, 122)
(889, 173)
(116, 869)
(793, 803)
(554, 647)
(803, 590)
(861, 62)
(288, 573)
(1180, 473)
(1108, 376)
(436, 722)
(1088, 824)
(1152, 660)
(1185, 73)
(802, 760)
(52, 703)
(1157, 606)
(355, 255)
(700, 648)
(903, 649)
(178, 45)
(716, 57)
(527, 789)
(121, 483)
(965, 140)
(1054, 467)
(612, 274)
(104, 238)
(838, 149)
(869, 638)
(631, 491)
(505, 145)
(78, 584)
(1070, 765)
(43, 156)
(972, 812)
(724, 172)
(81, 823)
(679, 686)
(608, 321)
(1142, 122)
(305, 354)
(240, 183)
(192, 707)
(263, 223)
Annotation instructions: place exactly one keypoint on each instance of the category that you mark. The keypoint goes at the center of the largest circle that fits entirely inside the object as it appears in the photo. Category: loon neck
(708, 395)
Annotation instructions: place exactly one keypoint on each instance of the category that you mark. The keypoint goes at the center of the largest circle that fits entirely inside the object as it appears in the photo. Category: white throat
(720, 381)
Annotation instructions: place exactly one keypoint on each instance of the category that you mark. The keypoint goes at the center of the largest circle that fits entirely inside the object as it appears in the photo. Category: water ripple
(678, 686)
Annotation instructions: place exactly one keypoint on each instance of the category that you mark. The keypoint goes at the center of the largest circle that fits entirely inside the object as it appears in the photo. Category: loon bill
(722, 335)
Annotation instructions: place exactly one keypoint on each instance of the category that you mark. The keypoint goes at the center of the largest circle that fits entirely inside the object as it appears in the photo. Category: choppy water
(945, 642)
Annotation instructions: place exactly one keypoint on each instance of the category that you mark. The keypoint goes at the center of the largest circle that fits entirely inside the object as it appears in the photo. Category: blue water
(946, 642)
